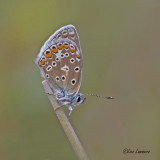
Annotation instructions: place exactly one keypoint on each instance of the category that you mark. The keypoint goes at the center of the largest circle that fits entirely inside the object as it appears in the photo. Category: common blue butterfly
(60, 61)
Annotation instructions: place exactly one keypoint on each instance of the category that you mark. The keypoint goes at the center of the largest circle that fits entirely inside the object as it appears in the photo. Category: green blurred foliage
(120, 44)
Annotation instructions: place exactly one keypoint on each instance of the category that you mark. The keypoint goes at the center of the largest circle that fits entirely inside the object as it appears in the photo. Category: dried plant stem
(73, 139)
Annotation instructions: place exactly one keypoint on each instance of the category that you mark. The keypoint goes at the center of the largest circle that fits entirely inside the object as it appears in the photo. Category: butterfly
(61, 61)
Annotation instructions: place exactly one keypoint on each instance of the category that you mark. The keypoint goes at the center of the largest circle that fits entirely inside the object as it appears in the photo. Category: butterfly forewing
(60, 60)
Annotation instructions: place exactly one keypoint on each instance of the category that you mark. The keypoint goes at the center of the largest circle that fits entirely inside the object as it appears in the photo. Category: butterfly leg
(59, 107)
(71, 109)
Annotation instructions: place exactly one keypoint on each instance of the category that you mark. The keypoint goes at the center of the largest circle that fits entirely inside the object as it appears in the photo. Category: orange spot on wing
(66, 46)
(48, 55)
(60, 46)
(77, 55)
(72, 49)
(65, 35)
(55, 50)
(42, 62)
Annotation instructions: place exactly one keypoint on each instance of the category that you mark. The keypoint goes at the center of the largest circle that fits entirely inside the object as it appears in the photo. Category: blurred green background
(120, 41)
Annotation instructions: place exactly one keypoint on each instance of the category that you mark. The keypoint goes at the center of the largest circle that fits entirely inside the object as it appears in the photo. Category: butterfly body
(60, 61)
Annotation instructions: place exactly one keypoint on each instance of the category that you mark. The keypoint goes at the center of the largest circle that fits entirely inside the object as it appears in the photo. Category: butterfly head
(78, 99)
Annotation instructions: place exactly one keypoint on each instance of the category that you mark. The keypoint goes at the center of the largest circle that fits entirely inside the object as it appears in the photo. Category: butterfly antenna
(98, 96)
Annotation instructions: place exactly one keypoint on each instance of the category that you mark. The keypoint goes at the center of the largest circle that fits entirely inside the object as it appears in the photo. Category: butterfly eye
(78, 99)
